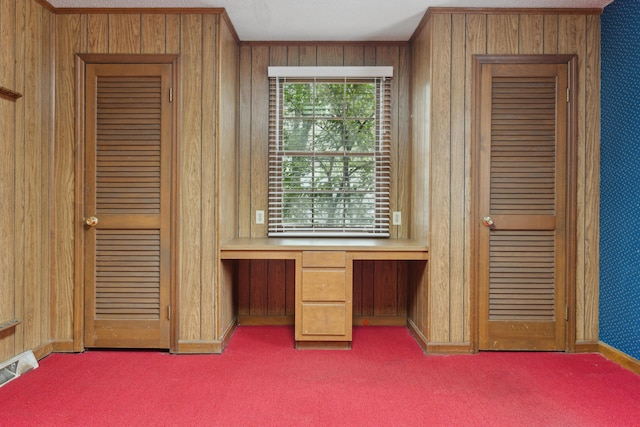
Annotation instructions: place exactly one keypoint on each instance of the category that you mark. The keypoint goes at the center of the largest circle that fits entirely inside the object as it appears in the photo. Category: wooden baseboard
(622, 359)
(380, 321)
(43, 351)
(64, 347)
(266, 320)
(227, 334)
(417, 335)
(323, 345)
(199, 347)
(587, 347)
(448, 348)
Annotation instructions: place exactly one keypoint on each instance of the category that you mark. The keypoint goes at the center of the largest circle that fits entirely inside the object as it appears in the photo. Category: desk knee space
(324, 279)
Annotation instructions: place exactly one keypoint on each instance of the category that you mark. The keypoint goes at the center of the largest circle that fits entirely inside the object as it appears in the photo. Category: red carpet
(261, 380)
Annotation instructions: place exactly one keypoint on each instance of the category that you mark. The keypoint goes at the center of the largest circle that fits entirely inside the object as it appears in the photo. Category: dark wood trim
(43, 351)
(9, 94)
(206, 347)
(380, 321)
(65, 347)
(523, 59)
(620, 358)
(140, 10)
(474, 308)
(266, 320)
(9, 325)
(78, 288)
(449, 348)
(134, 58)
(81, 61)
(199, 347)
(323, 345)
(586, 347)
(417, 335)
(420, 27)
(515, 10)
(46, 5)
(225, 17)
(571, 203)
(175, 206)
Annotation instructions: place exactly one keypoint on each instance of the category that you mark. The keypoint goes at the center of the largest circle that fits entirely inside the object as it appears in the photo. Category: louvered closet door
(127, 188)
(522, 197)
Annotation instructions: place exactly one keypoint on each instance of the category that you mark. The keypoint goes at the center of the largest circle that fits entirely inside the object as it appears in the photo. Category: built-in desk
(323, 278)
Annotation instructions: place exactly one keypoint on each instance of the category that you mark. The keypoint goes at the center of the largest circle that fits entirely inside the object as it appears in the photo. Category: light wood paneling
(190, 155)
(259, 134)
(25, 177)
(124, 33)
(153, 37)
(227, 179)
(440, 197)
(67, 39)
(531, 34)
(420, 173)
(458, 184)
(475, 45)
(493, 33)
(206, 131)
(210, 88)
(98, 34)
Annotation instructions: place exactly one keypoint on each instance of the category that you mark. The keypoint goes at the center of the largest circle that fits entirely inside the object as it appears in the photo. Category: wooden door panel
(127, 187)
(521, 191)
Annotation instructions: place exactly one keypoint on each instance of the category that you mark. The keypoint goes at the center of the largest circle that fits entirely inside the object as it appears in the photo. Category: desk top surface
(324, 244)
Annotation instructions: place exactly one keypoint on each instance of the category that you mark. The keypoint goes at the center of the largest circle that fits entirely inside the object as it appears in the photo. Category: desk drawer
(324, 259)
(323, 285)
(325, 319)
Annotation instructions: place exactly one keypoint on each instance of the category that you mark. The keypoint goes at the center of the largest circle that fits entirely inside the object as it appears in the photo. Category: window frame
(379, 224)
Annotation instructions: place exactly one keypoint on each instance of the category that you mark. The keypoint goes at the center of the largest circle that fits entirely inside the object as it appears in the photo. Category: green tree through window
(330, 173)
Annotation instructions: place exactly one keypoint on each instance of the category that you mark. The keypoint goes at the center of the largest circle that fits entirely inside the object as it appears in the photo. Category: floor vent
(13, 368)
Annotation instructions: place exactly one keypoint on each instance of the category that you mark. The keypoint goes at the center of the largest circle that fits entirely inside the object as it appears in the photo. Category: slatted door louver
(521, 276)
(522, 183)
(128, 182)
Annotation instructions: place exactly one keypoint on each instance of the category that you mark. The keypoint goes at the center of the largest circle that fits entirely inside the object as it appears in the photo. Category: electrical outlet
(259, 217)
(397, 218)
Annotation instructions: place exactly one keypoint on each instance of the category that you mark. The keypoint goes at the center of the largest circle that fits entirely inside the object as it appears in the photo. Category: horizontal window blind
(329, 155)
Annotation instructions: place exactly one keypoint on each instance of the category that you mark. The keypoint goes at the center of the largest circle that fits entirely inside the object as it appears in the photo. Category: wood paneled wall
(254, 118)
(263, 289)
(207, 90)
(442, 52)
(25, 177)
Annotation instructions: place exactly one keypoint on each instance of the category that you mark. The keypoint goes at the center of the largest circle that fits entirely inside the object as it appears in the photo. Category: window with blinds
(329, 155)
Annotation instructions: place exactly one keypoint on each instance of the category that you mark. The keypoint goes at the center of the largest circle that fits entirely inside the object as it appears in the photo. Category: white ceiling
(326, 20)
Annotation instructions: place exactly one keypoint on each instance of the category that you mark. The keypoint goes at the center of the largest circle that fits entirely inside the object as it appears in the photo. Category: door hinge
(171, 94)
(568, 92)
(169, 312)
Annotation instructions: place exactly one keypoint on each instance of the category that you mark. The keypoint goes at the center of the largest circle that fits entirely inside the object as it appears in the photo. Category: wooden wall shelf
(9, 94)
(9, 324)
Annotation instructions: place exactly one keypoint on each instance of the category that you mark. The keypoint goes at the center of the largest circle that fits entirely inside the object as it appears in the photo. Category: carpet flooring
(261, 380)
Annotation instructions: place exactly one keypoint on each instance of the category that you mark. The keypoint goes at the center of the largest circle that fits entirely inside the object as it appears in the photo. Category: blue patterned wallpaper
(620, 177)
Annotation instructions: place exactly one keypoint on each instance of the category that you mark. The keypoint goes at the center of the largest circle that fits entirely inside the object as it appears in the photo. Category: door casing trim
(571, 191)
(79, 207)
